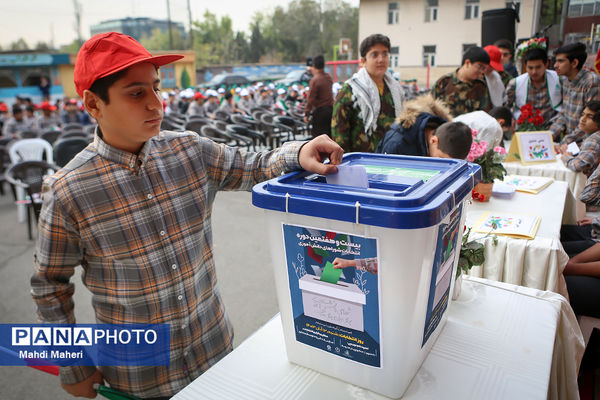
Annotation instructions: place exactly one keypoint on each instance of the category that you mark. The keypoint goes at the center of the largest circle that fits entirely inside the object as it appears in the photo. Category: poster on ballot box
(334, 290)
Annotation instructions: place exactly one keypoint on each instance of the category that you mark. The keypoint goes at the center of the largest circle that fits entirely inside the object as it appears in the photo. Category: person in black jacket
(422, 130)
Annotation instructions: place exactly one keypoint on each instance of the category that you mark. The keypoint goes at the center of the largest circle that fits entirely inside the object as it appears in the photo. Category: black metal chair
(29, 175)
(65, 149)
(51, 136)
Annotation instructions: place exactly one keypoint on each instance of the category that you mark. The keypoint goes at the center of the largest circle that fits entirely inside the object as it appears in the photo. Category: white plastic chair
(28, 150)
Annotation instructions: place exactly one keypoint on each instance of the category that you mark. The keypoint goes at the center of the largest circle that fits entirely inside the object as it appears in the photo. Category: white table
(557, 171)
(500, 342)
(536, 263)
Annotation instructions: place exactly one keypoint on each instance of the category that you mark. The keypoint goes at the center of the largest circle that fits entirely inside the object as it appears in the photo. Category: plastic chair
(30, 150)
(51, 136)
(74, 134)
(28, 134)
(240, 135)
(66, 149)
(72, 126)
(167, 125)
(195, 125)
(29, 175)
(215, 134)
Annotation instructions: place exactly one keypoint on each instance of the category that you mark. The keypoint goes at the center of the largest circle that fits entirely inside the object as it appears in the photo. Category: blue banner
(84, 344)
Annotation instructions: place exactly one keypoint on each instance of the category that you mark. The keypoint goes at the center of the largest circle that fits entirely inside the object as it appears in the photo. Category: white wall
(448, 33)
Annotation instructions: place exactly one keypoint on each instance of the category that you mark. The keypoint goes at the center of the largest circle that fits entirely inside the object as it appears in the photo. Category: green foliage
(285, 35)
(473, 252)
(491, 166)
(19, 44)
(71, 48)
(186, 82)
(159, 40)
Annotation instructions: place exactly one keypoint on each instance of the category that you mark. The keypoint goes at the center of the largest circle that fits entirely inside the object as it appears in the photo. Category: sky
(39, 20)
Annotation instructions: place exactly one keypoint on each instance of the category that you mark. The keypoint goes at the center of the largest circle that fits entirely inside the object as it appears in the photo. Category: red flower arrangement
(531, 119)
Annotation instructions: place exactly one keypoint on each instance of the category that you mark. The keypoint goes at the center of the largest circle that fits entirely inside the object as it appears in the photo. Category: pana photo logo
(84, 344)
(69, 336)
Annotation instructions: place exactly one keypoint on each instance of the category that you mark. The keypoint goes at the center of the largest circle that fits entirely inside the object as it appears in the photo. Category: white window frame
(395, 57)
(576, 8)
(393, 14)
(431, 11)
(429, 56)
(472, 9)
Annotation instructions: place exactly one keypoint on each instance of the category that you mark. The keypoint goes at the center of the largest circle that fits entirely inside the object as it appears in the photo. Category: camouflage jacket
(462, 97)
(348, 130)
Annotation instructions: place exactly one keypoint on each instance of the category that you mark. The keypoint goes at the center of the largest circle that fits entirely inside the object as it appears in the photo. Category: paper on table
(528, 184)
(508, 224)
(331, 274)
(573, 148)
(349, 175)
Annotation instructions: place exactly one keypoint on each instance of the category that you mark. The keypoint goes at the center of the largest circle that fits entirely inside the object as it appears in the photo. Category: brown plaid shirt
(588, 157)
(140, 226)
(576, 94)
(539, 98)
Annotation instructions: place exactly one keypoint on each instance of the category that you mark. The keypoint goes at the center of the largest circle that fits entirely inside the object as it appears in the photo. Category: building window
(516, 5)
(7, 78)
(393, 13)
(394, 57)
(584, 8)
(429, 55)
(431, 10)
(472, 9)
(467, 46)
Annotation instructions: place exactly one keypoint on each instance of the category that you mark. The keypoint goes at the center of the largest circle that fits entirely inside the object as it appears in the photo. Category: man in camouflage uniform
(464, 90)
(372, 85)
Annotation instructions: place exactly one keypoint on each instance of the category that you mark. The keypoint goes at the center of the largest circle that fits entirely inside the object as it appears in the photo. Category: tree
(159, 40)
(185, 79)
(257, 41)
(19, 44)
(71, 48)
(42, 46)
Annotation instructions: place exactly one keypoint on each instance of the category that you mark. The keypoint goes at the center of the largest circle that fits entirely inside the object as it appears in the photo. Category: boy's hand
(84, 388)
(585, 221)
(313, 153)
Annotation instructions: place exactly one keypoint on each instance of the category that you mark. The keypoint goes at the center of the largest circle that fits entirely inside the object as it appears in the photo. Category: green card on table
(331, 274)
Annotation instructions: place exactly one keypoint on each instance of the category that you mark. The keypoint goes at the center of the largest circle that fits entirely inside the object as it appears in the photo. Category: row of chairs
(66, 128)
(262, 131)
(29, 160)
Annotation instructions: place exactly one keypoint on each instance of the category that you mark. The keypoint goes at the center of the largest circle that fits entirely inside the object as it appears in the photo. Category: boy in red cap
(48, 120)
(133, 209)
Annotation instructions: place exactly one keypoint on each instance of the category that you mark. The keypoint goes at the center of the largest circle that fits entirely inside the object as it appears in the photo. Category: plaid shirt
(576, 94)
(140, 226)
(591, 192)
(539, 98)
(588, 157)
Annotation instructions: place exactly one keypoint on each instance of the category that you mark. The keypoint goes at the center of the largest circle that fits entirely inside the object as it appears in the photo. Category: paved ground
(243, 268)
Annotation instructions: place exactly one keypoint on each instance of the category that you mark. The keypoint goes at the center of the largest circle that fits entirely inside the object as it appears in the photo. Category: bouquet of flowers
(533, 43)
(531, 119)
(490, 160)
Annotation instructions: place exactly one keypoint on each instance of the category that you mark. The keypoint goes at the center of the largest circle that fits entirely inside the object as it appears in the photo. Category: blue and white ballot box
(364, 275)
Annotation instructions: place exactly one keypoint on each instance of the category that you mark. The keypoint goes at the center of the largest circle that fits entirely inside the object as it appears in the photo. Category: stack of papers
(515, 225)
(528, 184)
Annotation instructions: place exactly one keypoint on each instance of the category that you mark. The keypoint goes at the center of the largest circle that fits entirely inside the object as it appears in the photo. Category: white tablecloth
(500, 342)
(556, 170)
(536, 263)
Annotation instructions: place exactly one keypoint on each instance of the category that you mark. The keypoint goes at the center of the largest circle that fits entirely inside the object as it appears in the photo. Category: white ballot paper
(573, 148)
(349, 175)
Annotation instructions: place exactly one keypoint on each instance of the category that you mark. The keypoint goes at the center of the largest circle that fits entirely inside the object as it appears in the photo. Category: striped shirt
(140, 226)
(576, 94)
(588, 157)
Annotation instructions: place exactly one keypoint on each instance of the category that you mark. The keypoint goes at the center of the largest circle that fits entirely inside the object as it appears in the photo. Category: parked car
(225, 80)
(295, 76)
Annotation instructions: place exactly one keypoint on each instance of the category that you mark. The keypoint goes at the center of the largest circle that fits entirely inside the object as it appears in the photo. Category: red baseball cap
(198, 95)
(106, 53)
(3, 107)
(495, 57)
(47, 106)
